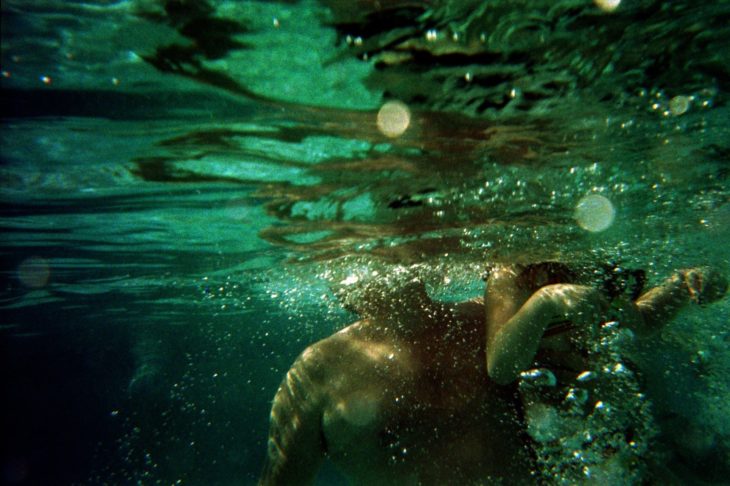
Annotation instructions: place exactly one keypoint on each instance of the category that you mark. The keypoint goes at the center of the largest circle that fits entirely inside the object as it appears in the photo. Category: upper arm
(502, 300)
(505, 329)
(295, 446)
(513, 344)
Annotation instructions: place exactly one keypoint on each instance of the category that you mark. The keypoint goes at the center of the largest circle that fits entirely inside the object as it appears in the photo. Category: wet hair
(616, 280)
(612, 279)
(554, 272)
(550, 271)
(372, 295)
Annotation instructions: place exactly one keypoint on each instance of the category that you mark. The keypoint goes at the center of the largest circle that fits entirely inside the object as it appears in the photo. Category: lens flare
(594, 213)
(679, 105)
(34, 272)
(393, 119)
(607, 5)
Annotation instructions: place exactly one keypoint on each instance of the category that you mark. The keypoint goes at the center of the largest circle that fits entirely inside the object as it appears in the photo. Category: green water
(185, 185)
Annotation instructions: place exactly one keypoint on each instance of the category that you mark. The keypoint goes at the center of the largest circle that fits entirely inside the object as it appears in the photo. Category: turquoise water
(186, 185)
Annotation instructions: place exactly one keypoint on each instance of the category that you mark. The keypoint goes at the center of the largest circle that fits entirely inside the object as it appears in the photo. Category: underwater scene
(194, 192)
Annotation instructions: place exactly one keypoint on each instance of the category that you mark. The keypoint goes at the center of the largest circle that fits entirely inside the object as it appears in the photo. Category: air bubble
(538, 377)
(585, 376)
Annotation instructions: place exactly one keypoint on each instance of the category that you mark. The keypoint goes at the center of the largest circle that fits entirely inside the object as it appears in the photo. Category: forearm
(660, 304)
(701, 285)
(513, 347)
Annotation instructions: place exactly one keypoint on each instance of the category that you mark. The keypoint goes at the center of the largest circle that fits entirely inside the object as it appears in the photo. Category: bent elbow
(500, 372)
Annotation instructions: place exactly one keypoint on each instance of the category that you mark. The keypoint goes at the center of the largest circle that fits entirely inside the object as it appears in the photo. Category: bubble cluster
(674, 106)
(594, 428)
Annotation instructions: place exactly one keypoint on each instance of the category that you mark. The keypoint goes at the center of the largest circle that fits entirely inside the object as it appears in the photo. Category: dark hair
(553, 273)
(613, 279)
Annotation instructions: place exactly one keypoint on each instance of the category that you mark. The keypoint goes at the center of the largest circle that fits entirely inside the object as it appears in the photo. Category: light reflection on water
(218, 216)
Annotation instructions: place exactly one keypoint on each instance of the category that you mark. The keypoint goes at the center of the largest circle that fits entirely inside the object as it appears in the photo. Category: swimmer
(422, 392)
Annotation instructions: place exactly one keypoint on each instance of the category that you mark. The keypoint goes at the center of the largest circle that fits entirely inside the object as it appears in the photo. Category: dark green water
(185, 185)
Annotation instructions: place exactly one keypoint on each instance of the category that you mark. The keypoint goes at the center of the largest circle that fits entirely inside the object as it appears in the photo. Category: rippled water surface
(186, 185)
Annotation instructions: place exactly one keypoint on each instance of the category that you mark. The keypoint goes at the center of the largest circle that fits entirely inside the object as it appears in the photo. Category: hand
(704, 284)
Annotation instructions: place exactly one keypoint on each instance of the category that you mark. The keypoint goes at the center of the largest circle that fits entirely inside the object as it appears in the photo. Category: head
(611, 278)
(536, 275)
(384, 297)
(532, 276)
(616, 280)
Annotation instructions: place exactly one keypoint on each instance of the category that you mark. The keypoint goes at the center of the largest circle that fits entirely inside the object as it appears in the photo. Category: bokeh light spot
(679, 105)
(607, 5)
(393, 119)
(594, 213)
(34, 272)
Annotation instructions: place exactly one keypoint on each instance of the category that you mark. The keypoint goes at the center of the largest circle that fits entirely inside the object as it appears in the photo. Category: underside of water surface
(187, 186)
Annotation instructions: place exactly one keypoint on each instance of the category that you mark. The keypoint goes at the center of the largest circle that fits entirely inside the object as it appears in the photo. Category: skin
(424, 393)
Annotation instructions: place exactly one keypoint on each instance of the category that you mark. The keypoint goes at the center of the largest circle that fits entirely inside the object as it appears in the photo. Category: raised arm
(659, 305)
(516, 320)
(296, 446)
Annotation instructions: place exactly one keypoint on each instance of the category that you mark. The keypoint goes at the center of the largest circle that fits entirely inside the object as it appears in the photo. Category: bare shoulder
(322, 357)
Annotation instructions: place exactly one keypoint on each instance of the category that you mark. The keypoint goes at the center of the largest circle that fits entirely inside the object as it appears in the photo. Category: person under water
(423, 392)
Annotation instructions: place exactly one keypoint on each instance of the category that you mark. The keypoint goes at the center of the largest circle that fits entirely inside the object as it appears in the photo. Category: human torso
(421, 410)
